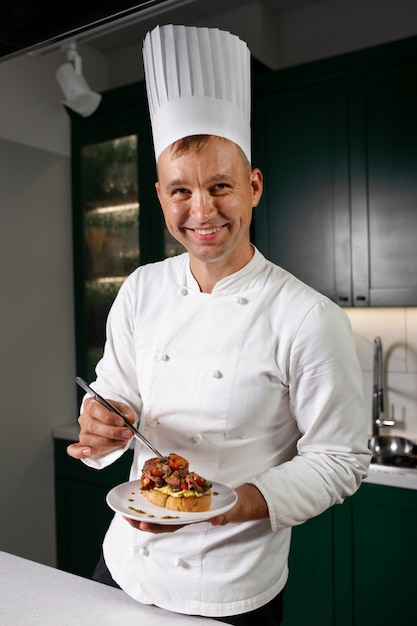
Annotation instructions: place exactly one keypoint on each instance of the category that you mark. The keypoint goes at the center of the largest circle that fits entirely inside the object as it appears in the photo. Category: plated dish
(128, 500)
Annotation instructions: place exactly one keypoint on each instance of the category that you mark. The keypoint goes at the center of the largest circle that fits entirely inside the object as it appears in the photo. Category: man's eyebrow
(222, 176)
(177, 183)
(180, 183)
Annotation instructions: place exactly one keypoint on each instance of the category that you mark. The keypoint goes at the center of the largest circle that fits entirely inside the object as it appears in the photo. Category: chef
(223, 357)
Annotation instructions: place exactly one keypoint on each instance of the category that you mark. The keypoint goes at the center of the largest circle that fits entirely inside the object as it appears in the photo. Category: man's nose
(202, 206)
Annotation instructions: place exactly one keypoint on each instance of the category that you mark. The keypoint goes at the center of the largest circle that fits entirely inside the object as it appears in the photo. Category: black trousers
(270, 614)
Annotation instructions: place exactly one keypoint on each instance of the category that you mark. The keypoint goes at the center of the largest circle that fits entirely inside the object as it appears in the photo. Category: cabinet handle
(343, 298)
(361, 298)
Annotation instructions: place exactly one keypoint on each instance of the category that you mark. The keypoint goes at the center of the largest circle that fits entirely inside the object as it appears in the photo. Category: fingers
(126, 410)
(101, 430)
(78, 451)
(220, 520)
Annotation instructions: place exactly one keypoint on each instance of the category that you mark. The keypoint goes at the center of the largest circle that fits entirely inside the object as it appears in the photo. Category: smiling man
(207, 191)
(223, 357)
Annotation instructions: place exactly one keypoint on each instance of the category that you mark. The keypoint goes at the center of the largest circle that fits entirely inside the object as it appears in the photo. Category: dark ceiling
(27, 24)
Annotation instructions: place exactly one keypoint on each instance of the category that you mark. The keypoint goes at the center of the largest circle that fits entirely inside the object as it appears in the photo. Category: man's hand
(101, 431)
(250, 505)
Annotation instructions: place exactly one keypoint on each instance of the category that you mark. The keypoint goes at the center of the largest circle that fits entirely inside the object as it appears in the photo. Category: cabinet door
(383, 124)
(117, 222)
(110, 224)
(309, 592)
(83, 518)
(302, 223)
(384, 554)
(82, 514)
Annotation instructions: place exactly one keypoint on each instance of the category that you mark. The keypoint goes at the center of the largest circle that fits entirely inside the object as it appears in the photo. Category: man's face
(207, 199)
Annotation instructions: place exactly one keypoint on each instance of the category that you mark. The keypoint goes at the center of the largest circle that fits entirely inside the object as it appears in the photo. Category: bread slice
(189, 504)
(185, 504)
(155, 497)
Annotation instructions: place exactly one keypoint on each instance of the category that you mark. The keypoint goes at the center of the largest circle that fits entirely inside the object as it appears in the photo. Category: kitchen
(38, 350)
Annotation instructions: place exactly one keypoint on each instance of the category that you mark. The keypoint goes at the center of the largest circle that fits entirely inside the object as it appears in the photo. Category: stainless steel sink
(385, 448)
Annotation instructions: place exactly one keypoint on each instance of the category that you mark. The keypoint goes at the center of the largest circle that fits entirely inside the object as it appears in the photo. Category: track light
(78, 94)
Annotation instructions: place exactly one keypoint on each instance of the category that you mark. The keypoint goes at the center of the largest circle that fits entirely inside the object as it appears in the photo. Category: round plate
(128, 500)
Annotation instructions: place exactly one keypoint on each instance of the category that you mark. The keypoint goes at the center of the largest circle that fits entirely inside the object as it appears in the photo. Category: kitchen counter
(69, 432)
(406, 478)
(378, 474)
(32, 593)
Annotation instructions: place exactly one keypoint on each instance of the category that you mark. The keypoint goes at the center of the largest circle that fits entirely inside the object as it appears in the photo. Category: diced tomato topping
(177, 462)
(198, 479)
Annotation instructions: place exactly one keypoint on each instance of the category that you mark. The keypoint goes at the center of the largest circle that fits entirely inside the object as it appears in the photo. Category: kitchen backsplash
(397, 328)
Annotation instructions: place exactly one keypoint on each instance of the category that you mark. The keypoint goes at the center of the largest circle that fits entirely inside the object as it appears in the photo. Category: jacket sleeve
(326, 400)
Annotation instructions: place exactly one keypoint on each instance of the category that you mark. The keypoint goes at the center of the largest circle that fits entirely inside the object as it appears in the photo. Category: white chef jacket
(256, 382)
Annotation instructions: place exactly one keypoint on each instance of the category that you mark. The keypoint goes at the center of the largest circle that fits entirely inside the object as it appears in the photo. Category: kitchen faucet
(378, 391)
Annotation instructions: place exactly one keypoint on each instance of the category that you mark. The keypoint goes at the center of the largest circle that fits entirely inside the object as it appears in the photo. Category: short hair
(195, 143)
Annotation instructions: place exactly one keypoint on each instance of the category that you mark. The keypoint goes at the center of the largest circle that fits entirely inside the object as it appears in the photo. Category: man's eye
(180, 191)
(220, 187)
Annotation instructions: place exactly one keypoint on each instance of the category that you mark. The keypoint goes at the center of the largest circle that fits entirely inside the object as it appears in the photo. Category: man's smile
(206, 231)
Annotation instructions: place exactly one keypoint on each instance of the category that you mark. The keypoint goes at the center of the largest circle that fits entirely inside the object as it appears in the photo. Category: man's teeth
(207, 231)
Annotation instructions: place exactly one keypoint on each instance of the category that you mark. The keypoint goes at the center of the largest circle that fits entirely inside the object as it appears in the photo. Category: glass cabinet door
(117, 220)
(110, 214)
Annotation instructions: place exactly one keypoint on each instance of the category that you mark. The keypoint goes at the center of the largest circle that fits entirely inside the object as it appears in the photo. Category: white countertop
(33, 594)
(378, 474)
(69, 432)
(392, 476)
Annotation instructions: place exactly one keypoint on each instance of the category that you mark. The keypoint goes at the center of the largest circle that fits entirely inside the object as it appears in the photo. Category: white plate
(128, 500)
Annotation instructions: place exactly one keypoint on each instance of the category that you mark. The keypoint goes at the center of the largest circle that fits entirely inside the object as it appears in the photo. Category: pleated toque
(197, 82)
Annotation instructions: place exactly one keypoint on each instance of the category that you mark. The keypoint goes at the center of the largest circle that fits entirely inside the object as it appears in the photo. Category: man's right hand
(101, 431)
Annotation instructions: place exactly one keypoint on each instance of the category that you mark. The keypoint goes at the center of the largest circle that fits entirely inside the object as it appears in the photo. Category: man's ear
(257, 184)
(157, 187)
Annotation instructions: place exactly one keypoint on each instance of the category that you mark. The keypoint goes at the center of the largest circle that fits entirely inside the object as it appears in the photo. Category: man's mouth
(207, 231)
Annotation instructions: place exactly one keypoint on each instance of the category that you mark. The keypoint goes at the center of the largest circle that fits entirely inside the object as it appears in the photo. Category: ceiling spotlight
(78, 94)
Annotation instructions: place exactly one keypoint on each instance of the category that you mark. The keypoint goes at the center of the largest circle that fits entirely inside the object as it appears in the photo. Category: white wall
(327, 28)
(280, 39)
(397, 328)
(37, 355)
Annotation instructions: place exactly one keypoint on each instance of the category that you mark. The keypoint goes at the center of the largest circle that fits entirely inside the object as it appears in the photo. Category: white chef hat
(198, 82)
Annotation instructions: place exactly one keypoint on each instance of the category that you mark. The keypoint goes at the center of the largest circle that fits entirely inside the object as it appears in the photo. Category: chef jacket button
(164, 357)
(177, 562)
(241, 300)
(216, 374)
(144, 552)
(184, 291)
(153, 423)
(197, 438)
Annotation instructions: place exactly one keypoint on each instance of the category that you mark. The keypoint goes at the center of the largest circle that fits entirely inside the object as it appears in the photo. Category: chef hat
(198, 83)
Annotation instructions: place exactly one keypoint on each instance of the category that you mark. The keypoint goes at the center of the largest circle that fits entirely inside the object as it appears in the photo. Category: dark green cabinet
(310, 589)
(355, 564)
(383, 156)
(82, 515)
(117, 220)
(301, 145)
(338, 151)
(384, 556)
